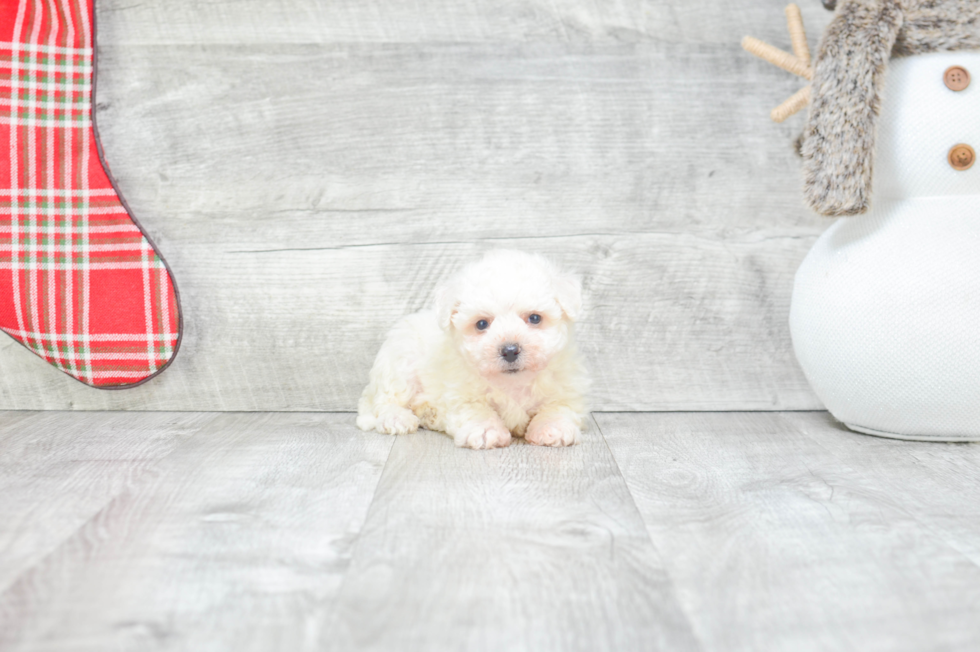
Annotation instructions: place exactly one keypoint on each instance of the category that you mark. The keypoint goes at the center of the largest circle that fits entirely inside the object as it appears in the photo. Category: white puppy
(496, 358)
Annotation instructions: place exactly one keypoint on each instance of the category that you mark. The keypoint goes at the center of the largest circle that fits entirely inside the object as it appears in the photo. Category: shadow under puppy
(496, 358)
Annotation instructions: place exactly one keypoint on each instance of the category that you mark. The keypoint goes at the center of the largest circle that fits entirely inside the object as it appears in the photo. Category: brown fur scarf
(839, 136)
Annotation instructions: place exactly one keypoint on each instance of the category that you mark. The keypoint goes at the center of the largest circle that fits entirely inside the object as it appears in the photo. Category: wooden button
(961, 157)
(956, 78)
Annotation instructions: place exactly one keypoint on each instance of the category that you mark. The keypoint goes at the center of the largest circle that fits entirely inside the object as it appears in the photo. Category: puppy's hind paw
(482, 435)
(395, 420)
(553, 431)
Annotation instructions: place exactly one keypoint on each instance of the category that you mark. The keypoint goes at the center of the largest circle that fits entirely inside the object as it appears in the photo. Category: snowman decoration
(885, 315)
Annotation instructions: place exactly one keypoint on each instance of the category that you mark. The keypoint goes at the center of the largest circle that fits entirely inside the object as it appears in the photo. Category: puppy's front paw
(394, 420)
(483, 434)
(552, 431)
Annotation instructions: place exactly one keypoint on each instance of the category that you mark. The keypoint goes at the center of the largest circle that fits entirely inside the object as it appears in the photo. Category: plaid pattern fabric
(80, 285)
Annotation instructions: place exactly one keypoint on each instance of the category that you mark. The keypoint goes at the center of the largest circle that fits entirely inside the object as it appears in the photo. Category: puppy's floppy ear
(446, 304)
(568, 294)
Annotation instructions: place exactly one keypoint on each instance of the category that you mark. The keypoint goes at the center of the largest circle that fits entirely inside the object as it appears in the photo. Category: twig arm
(777, 57)
(794, 21)
(793, 105)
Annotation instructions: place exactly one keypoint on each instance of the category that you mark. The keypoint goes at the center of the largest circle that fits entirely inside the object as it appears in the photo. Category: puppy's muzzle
(509, 352)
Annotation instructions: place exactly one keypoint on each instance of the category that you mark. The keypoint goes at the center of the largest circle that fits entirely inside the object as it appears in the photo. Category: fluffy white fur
(438, 369)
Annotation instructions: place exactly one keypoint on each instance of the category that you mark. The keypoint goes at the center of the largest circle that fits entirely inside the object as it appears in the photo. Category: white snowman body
(885, 316)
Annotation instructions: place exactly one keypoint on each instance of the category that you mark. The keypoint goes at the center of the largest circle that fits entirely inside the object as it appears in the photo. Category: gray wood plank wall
(312, 170)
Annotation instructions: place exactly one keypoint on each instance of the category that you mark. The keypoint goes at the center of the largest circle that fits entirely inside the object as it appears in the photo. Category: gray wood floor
(296, 531)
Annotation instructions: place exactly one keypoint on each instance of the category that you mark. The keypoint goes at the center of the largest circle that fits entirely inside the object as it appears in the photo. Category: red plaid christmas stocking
(80, 283)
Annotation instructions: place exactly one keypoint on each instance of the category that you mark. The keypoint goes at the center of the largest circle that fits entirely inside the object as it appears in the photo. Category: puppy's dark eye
(482, 325)
(535, 318)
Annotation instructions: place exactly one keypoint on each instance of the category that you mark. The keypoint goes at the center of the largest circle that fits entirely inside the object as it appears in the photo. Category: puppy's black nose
(509, 352)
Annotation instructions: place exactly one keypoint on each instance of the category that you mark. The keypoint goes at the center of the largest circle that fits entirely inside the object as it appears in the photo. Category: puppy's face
(510, 313)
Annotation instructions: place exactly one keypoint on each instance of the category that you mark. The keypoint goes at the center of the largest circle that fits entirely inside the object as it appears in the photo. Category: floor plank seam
(354, 412)
(673, 584)
(803, 411)
(342, 585)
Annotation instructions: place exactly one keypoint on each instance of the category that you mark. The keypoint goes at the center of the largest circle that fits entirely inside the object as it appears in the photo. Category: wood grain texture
(783, 532)
(9, 421)
(238, 539)
(449, 21)
(523, 548)
(58, 470)
(941, 489)
(312, 170)
(294, 531)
